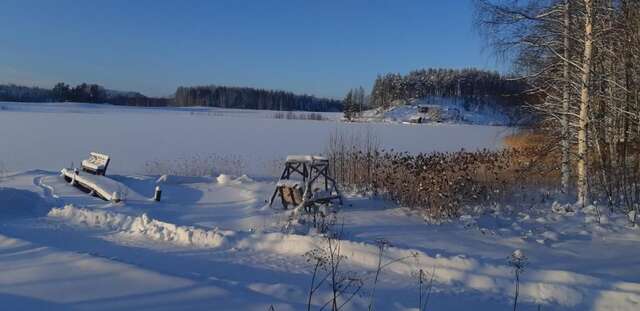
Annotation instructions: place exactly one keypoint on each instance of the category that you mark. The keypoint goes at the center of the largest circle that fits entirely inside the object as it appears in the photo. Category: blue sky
(305, 46)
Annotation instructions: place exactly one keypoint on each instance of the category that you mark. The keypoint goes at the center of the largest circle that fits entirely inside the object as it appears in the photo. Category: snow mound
(21, 203)
(142, 226)
(224, 179)
(562, 209)
(244, 179)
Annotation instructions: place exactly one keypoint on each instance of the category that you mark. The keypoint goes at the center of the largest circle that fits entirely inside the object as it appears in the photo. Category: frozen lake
(52, 136)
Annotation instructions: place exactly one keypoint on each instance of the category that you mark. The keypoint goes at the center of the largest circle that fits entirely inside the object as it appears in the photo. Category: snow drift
(142, 226)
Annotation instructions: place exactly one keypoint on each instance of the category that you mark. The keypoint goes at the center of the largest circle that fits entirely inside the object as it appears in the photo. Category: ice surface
(136, 136)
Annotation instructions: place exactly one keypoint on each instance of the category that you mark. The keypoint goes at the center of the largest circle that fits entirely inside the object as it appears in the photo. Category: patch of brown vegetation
(441, 183)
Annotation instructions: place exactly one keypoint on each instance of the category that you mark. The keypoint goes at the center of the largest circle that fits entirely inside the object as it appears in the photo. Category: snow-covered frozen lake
(51, 136)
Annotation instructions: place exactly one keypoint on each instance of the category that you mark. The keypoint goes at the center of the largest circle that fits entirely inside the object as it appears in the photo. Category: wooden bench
(97, 163)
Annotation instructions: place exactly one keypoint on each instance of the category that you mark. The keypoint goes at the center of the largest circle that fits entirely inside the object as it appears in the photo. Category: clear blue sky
(320, 47)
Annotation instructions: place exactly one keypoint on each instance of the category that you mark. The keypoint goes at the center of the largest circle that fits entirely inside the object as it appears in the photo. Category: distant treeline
(81, 93)
(442, 82)
(16, 93)
(212, 96)
(250, 98)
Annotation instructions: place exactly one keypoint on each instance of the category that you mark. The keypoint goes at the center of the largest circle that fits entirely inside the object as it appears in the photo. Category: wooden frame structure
(313, 170)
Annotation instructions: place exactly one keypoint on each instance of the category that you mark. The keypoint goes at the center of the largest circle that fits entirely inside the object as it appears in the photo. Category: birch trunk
(566, 168)
(585, 99)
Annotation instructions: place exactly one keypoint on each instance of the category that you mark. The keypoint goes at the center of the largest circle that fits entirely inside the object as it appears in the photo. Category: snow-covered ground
(435, 109)
(52, 136)
(213, 244)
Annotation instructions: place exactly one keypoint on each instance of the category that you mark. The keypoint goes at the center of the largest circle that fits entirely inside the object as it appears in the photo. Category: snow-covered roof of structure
(306, 158)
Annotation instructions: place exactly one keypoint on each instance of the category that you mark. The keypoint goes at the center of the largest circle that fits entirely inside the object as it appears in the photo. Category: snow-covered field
(51, 136)
(213, 244)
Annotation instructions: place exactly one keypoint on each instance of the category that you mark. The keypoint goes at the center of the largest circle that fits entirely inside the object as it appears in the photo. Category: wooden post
(115, 197)
(157, 194)
(75, 173)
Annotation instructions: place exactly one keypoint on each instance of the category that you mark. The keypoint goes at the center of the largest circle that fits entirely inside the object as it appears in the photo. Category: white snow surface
(134, 136)
(211, 243)
(215, 245)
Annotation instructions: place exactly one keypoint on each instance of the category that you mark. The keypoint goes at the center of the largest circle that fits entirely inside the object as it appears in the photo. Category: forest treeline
(386, 89)
(443, 82)
(17, 93)
(212, 96)
(250, 98)
(81, 93)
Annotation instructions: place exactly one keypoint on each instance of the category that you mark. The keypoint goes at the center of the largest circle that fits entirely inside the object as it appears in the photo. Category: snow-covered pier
(101, 186)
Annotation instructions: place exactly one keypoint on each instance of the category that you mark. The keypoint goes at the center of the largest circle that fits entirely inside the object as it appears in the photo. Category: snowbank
(223, 179)
(452, 273)
(142, 226)
(553, 287)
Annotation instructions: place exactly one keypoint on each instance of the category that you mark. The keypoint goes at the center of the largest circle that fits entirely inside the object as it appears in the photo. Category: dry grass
(440, 184)
(527, 139)
(210, 165)
(290, 115)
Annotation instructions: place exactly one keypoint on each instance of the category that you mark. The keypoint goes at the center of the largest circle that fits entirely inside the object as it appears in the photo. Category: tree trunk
(585, 99)
(565, 168)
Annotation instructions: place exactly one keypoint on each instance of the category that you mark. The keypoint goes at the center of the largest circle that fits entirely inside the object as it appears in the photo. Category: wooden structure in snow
(97, 163)
(96, 185)
(316, 185)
